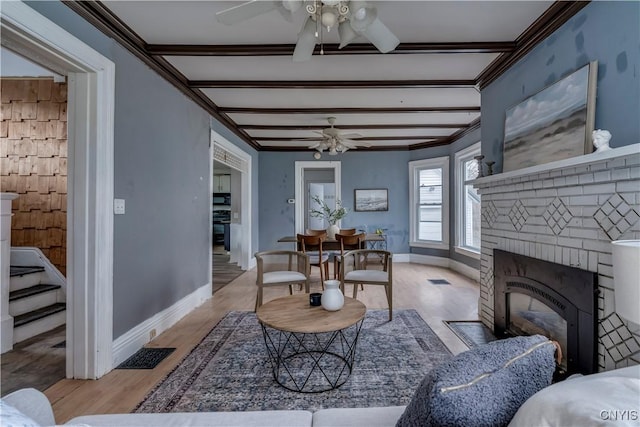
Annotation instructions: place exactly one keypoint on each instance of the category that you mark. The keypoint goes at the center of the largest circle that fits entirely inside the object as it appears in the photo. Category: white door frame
(300, 196)
(91, 88)
(246, 255)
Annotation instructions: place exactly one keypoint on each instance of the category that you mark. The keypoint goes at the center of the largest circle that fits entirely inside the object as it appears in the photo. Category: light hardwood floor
(121, 390)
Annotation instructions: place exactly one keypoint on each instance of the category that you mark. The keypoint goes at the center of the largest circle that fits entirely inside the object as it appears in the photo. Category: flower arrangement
(332, 216)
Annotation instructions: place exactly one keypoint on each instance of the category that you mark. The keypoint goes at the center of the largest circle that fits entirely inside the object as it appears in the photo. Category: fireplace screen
(529, 316)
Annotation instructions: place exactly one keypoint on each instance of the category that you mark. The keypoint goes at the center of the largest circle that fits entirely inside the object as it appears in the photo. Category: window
(467, 202)
(429, 200)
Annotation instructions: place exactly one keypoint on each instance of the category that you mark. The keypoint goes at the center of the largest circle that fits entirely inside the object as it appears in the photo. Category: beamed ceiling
(424, 93)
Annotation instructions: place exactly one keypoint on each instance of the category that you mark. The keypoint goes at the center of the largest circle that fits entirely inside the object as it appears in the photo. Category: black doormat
(439, 282)
(146, 358)
(472, 332)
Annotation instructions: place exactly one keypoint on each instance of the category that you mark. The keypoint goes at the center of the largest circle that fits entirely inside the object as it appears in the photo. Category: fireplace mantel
(561, 164)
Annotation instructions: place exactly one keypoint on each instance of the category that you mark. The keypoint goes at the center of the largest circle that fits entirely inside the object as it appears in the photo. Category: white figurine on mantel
(601, 140)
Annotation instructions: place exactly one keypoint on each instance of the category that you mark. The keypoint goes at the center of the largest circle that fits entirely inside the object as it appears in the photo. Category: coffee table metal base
(311, 362)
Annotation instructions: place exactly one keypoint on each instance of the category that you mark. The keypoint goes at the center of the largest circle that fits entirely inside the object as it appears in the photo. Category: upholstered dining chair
(368, 267)
(347, 242)
(276, 268)
(312, 246)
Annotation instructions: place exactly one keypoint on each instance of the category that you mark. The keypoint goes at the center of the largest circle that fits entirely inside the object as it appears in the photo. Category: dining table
(371, 241)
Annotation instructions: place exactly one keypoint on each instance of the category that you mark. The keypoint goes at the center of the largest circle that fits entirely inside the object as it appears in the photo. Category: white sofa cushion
(33, 404)
(200, 419)
(609, 398)
(370, 417)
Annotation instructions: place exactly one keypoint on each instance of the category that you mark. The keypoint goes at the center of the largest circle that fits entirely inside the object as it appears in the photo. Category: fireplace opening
(534, 296)
(530, 316)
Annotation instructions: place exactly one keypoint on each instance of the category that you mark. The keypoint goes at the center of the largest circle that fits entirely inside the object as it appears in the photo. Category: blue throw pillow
(484, 386)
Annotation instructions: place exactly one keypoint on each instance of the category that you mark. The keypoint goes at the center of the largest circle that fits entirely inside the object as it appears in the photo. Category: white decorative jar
(332, 298)
(332, 230)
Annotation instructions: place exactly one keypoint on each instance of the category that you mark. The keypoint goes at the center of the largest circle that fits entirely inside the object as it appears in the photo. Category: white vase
(332, 298)
(332, 230)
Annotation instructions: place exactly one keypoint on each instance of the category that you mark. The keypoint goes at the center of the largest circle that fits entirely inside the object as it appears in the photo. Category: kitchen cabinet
(222, 183)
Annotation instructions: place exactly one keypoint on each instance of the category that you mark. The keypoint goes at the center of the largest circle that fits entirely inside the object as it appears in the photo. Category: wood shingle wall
(33, 163)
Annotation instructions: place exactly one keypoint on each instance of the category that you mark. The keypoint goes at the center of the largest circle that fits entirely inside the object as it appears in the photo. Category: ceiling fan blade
(245, 11)
(306, 42)
(288, 7)
(316, 145)
(346, 33)
(356, 143)
(350, 135)
(380, 36)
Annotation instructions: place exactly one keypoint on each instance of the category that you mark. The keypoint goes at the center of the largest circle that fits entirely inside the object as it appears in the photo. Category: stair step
(16, 271)
(31, 291)
(38, 314)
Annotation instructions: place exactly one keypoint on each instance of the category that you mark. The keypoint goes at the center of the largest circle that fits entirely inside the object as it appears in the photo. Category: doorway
(91, 89)
(322, 179)
(228, 159)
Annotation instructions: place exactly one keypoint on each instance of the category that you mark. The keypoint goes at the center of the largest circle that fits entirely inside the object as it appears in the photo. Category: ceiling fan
(354, 18)
(335, 142)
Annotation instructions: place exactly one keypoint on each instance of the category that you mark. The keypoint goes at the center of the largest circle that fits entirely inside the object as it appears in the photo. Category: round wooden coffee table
(311, 350)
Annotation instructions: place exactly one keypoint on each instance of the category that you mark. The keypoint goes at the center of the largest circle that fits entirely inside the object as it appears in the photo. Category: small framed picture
(371, 200)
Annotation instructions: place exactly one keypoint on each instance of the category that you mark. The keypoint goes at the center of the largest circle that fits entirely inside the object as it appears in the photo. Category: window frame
(460, 158)
(415, 167)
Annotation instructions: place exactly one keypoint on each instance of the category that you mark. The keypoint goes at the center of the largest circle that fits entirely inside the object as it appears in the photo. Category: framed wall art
(367, 200)
(554, 124)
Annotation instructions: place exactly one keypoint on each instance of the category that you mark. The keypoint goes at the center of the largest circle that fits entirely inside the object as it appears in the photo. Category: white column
(6, 321)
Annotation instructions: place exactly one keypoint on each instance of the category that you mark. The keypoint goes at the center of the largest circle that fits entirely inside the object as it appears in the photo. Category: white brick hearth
(568, 212)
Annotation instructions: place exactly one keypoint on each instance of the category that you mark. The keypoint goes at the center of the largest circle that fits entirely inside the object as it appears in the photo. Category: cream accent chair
(368, 267)
(277, 268)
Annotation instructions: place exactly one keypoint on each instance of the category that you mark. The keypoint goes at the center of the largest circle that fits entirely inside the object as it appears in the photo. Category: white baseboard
(133, 340)
(465, 270)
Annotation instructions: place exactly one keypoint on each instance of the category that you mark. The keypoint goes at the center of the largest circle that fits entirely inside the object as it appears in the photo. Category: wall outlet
(152, 334)
(118, 206)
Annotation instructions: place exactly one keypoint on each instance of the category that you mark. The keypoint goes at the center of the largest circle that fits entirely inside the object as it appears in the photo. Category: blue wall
(608, 32)
(161, 169)
(359, 170)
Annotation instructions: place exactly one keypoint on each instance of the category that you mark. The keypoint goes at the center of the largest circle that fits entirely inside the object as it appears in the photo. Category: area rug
(229, 369)
(472, 332)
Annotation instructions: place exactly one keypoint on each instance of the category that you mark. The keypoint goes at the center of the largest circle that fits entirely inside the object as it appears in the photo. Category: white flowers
(332, 216)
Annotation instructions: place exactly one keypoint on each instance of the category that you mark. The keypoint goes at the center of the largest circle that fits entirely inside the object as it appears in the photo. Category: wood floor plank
(121, 390)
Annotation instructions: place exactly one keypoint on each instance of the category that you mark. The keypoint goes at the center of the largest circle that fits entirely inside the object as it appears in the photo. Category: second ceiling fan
(336, 142)
(353, 19)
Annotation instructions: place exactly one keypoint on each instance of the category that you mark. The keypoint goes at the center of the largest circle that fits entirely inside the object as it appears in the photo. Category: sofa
(504, 383)
(36, 407)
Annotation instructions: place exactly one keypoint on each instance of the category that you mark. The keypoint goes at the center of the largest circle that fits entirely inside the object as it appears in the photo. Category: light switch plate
(118, 206)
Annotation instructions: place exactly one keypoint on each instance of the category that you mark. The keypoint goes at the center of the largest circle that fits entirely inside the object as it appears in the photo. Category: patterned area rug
(230, 371)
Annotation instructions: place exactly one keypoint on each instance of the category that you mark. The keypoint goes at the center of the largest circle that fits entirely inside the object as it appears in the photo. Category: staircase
(36, 296)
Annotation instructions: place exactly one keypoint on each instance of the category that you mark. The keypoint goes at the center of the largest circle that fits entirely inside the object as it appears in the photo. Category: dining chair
(347, 231)
(312, 232)
(312, 246)
(347, 243)
(368, 267)
(281, 267)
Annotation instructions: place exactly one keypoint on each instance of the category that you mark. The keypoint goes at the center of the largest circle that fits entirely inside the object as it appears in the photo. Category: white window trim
(439, 162)
(460, 157)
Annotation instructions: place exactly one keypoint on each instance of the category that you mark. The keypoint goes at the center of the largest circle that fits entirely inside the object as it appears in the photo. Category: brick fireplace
(567, 212)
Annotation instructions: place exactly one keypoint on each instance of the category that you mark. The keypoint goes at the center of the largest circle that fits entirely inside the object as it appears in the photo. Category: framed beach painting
(554, 124)
(371, 200)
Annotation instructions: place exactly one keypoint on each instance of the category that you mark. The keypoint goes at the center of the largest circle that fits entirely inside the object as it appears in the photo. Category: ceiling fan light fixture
(328, 17)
